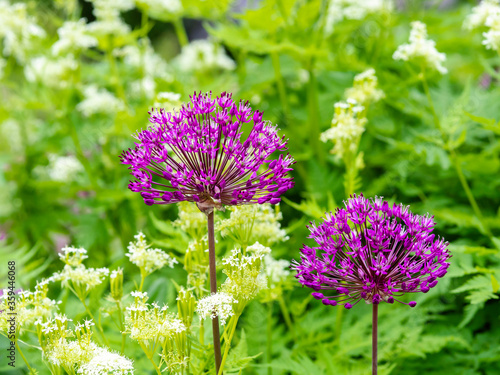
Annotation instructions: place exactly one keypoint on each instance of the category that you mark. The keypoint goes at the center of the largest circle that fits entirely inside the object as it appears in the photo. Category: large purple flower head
(200, 154)
(370, 251)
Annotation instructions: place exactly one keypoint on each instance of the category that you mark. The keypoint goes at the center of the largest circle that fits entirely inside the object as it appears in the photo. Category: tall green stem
(269, 337)
(24, 358)
(97, 323)
(374, 338)
(213, 289)
(281, 85)
(286, 315)
(313, 109)
(227, 341)
(181, 32)
(122, 327)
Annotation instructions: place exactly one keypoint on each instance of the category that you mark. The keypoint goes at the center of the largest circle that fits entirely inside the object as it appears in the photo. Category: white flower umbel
(365, 88)
(492, 36)
(81, 277)
(276, 270)
(216, 305)
(19, 31)
(168, 100)
(105, 362)
(99, 101)
(73, 36)
(203, 55)
(348, 124)
(481, 13)
(73, 256)
(108, 21)
(63, 168)
(160, 8)
(422, 49)
(339, 10)
(147, 259)
(54, 73)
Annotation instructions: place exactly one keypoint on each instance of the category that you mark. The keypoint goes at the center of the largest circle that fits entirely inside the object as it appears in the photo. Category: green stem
(122, 327)
(97, 323)
(227, 343)
(286, 316)
(150, 357)
(143, 277)
(338, 323)
(24, 358)
(313, 109)
(269, 337)
(181, 32)
(281, 85)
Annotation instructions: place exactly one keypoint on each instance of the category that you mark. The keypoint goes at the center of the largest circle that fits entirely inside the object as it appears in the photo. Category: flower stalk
(374, 338)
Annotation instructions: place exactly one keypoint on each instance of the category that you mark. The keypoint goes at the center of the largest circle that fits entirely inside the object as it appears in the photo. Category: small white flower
(63, 168)
(201, 55)
(106, 362)
(73, 35)
(216, 305)
(481, 13)
(421, 48)
(99, 101)
(55, 73)
(144, 257)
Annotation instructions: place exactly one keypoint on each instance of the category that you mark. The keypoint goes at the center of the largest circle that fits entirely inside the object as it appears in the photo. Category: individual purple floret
(199, 154)
(371, 251)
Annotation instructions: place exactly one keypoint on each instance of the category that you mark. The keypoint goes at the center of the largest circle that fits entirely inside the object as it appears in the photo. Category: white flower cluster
(216, 305)
(81, 276)
(52, 72)
(146, 321)
(168, 100)
(108, 21)
(348, 124)
(73, 256)
(145, 60)
(486, 14)
(147, 259)
(259, 221)
(106, 362)
(63, 168)
(276, 270)
(365, 88)
(160, 8)
(338, 10)
(421, 48)
(203, 55)
(191, 220)
(98, 100)
(240, 261)
(18, 30)
(73, 36)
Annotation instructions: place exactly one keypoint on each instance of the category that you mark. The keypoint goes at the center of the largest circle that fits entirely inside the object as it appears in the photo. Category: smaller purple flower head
(373, 252)
(214, 152)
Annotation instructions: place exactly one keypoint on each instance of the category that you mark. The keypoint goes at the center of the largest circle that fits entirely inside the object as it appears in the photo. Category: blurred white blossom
(19, 31)
(160, 8)
(73, 36)
(339, 10)
(421, 48)
(98, 100)
(55, 73)
(200, 55)
(63, 168)
(365, 88)
(481, 13)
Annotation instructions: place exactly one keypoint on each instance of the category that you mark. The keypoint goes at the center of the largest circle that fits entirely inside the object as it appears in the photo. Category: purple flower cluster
(197, 154)
(371, 251)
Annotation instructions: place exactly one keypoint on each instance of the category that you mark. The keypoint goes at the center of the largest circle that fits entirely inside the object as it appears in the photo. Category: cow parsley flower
(161, 9)
(99, 101)
(106, 362)
(204, 55)
(73, 36)
(191, 220)
(365, 88)
(63, 168)
(51, 72)
(108, 21)
(348, 124)
(422, 49)
(216, 305)
(370, 251)
(197, 155)
(147, 259)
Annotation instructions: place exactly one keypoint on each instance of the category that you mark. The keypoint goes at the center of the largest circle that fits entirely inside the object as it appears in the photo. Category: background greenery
(288, 67)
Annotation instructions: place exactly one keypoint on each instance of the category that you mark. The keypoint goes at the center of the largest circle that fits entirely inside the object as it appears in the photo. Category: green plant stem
(97, 323)
(24, 358)
(122, 327)
(269, 336)
(181, 32)
(313, 110)
(213, 289)
(227, 341)
(286, 315)
(338, 323)
(281, 85)
(374, 338)
(150, 357)
(143, 277)
(455, 159)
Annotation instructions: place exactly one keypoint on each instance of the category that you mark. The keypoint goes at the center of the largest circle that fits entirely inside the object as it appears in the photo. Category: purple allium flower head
(371, 251)
(199, 154)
